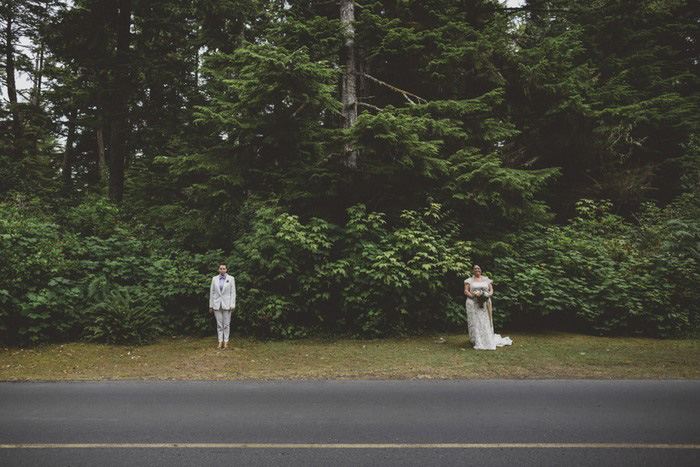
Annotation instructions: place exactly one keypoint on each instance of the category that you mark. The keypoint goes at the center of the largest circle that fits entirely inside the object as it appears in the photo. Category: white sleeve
(211, 294)
(233, 292)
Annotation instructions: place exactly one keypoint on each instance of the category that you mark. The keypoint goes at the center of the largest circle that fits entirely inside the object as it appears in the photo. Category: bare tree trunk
(349, 89)
(68, 153)
(38, 70)
(101, 159)
(118, 146)
(196, 69)
(116, 160)
(10, 72)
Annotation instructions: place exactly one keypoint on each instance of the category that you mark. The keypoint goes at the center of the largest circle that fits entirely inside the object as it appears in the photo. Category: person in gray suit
(222, 301)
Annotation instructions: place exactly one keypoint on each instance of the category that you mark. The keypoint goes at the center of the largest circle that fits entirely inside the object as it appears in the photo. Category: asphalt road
(351, 423)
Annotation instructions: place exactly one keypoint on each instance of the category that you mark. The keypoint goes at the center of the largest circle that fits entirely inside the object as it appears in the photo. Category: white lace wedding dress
(481, 333)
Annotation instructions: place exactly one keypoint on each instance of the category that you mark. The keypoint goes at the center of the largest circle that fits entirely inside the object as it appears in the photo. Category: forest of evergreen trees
(350, 161)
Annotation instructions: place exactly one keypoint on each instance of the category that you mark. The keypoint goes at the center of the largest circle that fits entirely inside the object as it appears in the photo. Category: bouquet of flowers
(481, 297)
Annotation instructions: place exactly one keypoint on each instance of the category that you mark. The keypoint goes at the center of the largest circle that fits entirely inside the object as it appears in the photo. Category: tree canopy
(352, 158)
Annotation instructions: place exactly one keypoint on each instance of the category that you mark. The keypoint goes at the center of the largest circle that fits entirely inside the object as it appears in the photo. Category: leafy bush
(599, 273)
(36, 304)
(274, 264)
(123, 318)
(400, 278)
(373, 274)
(47, 271)
(365, 278)
(94, 216)
(176, 279)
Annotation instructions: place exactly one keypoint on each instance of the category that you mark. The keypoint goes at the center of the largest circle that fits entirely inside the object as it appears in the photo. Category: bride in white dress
(479, 290)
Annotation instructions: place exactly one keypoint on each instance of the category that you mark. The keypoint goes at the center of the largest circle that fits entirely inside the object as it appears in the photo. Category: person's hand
(211, 310)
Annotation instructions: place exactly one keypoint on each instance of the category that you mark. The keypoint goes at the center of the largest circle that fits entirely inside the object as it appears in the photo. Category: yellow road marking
(349, 446)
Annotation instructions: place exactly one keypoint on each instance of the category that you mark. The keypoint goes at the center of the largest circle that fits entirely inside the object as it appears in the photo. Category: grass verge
(532, 356)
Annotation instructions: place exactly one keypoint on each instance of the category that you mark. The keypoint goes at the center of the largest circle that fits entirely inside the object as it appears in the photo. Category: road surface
(351, 423)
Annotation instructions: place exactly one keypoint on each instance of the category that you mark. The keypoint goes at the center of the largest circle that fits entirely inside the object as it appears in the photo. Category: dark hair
(223, 263)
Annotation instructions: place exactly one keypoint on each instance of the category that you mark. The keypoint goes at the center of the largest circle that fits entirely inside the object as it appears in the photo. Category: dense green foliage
(53, 281)
(367, 277)
(605, 275)
(554, 142)
(122, 319)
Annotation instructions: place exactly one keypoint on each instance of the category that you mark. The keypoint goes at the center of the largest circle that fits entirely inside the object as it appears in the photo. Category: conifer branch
(299, 109)
(394, 88)
(371, 106)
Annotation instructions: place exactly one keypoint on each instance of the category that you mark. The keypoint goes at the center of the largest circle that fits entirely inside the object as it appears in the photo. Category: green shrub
(363, 278)
(94, 216)
(36, 302)
(176, 279)
(122, 317)
(374, 274)
(601, 274)
(185, 291)
(47, 271)
(274, 263)
(400, 278)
